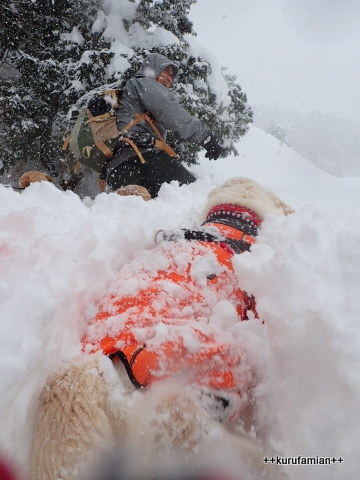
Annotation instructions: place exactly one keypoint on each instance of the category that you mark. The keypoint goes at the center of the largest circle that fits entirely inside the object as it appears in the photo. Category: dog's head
(248, 194)
(33, 176)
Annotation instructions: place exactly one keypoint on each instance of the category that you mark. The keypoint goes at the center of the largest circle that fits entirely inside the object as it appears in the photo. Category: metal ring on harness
(86, 151)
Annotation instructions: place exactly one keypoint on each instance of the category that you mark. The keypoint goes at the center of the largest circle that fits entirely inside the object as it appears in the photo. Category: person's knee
(159, 168)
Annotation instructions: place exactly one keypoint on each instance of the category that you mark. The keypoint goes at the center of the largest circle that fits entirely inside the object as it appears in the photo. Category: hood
(154, 64)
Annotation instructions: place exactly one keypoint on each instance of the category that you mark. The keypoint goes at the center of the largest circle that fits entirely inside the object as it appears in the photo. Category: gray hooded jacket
(144, 93)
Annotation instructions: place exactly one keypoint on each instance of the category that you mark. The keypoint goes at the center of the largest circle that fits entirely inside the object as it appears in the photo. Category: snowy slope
(275, 165)
(58, 254)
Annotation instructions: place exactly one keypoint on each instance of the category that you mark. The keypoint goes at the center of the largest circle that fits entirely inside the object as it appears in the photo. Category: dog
(157, 379)
(33, 176)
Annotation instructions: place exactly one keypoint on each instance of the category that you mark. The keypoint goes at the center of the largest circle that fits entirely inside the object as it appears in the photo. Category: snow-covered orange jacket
(163, 315)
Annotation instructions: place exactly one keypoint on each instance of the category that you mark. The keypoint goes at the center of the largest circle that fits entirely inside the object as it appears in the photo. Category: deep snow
(59, 253)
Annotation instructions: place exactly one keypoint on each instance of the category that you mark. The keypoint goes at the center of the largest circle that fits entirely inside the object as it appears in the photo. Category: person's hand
(213, 147)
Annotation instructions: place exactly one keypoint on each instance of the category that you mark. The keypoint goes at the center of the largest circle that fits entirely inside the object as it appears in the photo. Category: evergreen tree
(9, 29)
(60, 52)
(229, 122)
(52, 48)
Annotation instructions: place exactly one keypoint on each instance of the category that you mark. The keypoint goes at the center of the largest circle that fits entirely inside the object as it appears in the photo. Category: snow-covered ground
(58, 254)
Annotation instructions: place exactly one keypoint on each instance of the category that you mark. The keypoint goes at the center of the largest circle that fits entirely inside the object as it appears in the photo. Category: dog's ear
(248, 194)
(33, 176)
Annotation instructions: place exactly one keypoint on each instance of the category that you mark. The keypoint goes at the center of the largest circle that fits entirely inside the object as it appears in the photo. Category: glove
(213, 147)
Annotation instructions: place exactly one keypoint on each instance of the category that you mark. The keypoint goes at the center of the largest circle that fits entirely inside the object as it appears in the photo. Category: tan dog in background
(33, 176)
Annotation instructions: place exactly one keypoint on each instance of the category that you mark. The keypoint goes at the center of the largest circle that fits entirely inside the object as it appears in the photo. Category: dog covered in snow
(159, 378)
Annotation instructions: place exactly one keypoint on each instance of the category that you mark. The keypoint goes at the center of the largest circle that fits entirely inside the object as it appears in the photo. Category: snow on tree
(166, 29)
(54, 50)
(64, 48)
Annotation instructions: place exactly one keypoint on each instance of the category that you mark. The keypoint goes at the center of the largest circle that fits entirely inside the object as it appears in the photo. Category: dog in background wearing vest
(188, 398)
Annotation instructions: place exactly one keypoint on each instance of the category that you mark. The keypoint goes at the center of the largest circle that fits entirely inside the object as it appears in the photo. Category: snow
(290, 53)
(290, 58)
(59, 254)
(115, 11)
(74, 36)
(216, 81)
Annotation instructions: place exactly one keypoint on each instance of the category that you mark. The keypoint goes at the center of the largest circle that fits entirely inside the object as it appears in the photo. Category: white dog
(89, 408)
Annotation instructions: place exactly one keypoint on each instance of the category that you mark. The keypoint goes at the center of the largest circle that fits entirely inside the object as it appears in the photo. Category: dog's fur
(136, 190)
(33, 176)
(78, 425)
(78, 414)
(249, 194)
(73, 420)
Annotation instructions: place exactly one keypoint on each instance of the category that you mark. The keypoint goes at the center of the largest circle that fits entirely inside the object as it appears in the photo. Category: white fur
(73, 421)
(82, 414)
(246, 193)
(76, 429)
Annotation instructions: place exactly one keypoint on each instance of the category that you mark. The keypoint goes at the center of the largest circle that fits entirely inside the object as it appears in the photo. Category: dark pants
(158, 168)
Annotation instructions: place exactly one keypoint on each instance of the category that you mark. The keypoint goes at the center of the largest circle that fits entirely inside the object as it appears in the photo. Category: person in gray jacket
(147, 110)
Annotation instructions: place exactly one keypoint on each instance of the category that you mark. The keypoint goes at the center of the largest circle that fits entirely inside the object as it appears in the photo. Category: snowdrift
(58, 254)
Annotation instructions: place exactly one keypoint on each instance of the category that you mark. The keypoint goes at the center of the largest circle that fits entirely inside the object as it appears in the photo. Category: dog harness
(152, 342)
